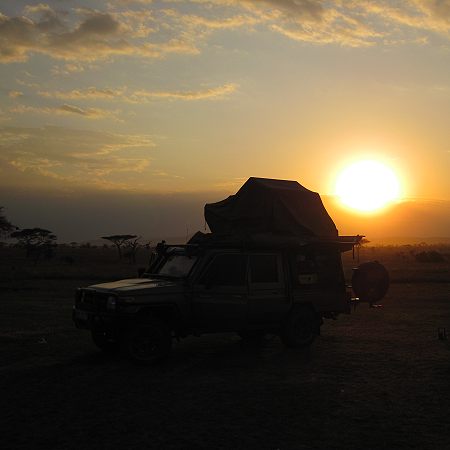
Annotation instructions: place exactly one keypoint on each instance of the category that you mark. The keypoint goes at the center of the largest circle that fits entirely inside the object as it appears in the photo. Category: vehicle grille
(90, 300)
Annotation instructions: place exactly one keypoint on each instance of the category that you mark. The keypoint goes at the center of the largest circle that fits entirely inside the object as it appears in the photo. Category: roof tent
(279, 207)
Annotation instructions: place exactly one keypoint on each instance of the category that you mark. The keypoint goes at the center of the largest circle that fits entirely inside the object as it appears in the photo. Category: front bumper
(90, 320)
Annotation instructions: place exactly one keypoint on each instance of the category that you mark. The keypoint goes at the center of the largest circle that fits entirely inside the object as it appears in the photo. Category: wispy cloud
(76, 156)
(89, 93)
(93, 113)
(142, 96)
(151, 30)
(206, 94)
(71, 68)
(88, 113)
(15, 94)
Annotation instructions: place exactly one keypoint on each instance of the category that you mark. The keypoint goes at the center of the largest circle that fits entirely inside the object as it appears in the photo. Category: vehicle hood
(140, 286)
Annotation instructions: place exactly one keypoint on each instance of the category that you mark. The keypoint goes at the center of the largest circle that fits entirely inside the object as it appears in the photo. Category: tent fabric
(265, 205)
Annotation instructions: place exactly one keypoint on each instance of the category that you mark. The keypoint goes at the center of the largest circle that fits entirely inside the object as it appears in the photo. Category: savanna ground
(378, 378)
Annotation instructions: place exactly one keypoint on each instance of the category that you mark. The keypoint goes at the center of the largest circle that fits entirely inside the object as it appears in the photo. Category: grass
(378, 378)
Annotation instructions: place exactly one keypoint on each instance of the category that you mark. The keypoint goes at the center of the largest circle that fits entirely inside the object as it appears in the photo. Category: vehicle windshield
(177, 266)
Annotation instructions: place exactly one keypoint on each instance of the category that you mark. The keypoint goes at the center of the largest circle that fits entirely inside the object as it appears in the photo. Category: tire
(370, 282)
(300, 328)
(148, 343)
(104, 341)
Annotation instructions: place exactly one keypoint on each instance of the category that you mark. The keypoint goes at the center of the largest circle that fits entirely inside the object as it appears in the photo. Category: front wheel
(300, 329)
(148, 343)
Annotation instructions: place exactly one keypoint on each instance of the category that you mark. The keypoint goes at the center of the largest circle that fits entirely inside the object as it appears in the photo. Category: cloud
(27, 84)
(89, 93)
(88, 113)
(69, 68)
(148, 29)
(422, 15)
(206, 94)
(304, 9)
(78, 157)
(351, 22)
(152, 30)
(93, 113)
(141, 96)
(15, 94)
(88, 36)
(199, 24)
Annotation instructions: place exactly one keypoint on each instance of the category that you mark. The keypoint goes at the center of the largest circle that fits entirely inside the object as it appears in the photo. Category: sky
(126, 116)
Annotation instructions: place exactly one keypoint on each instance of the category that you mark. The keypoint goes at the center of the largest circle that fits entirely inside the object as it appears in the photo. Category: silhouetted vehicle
(251, 275)
(196, 289)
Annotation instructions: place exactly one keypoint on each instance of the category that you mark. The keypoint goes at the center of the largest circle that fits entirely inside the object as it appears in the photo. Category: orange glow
(367, 186)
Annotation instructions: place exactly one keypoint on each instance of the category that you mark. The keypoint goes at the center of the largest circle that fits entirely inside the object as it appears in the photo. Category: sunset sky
(127, 116)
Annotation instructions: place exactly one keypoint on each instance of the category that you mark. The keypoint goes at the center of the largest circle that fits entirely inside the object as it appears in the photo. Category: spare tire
(370, 282)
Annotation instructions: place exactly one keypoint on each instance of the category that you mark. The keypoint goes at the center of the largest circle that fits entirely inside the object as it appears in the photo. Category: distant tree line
(37, 242)
(40, 242)
(431, 256)
(127, 245)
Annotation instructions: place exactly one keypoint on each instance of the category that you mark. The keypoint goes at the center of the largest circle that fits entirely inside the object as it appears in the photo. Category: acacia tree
(119, 240)
(6, 227)
(132, 246)
(35, 241)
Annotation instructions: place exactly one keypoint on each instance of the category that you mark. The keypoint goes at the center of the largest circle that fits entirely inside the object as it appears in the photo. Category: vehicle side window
(177, 265)
(226, 270)
(264, 269)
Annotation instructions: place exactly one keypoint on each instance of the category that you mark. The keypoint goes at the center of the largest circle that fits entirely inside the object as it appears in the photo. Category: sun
(367, 186)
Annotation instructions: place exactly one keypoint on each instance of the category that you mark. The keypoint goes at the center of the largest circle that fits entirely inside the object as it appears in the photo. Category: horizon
(169, 216)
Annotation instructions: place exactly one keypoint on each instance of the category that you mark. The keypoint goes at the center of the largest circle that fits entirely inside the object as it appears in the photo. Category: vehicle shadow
(210, 352)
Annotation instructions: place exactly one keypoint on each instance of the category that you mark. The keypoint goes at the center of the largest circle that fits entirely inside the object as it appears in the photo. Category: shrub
(432, 256)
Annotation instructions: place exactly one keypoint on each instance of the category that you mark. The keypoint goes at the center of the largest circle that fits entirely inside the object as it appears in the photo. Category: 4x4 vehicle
(271, 264)
(196, 289)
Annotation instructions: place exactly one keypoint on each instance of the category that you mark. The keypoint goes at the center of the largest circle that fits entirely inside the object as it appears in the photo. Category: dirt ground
(378, 378)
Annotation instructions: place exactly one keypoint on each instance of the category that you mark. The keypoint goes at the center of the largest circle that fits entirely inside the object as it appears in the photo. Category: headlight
(111, 303)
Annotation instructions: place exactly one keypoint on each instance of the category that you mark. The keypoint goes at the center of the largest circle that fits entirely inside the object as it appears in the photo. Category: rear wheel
(105, 341)
(301, 328)
(148, 343)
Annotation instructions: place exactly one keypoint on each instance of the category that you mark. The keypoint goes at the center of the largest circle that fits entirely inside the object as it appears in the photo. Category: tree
(358, 246)
(119, 240)
(132, 246)
(5, 225)
(35, 241)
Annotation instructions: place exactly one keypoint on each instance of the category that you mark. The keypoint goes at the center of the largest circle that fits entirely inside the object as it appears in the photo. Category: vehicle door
(268, 301)
(320, 279)
(220, 294)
